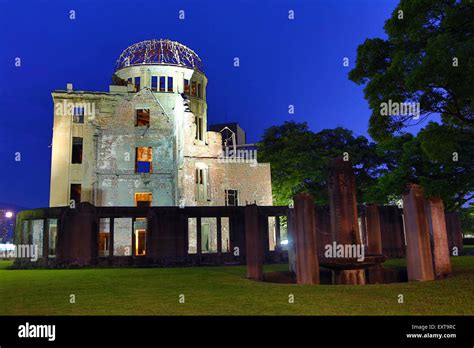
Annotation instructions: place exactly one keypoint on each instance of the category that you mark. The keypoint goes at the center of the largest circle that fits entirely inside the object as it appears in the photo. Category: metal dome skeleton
(165, 52)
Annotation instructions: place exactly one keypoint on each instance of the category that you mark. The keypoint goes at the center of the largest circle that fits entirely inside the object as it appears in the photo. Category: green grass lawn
(223, 291)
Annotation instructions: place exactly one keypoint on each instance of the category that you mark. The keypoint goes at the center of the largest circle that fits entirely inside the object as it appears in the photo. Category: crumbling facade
(145, 142)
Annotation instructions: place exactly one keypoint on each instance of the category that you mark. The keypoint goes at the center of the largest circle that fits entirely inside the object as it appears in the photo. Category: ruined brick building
(145, 142)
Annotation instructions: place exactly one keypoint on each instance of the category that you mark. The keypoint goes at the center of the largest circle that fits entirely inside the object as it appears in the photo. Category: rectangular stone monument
(454, 230)
(362, 225)
(374, 274)
(323, 229)
(291, 241)
(344, 217)
(374, 237)
(392, 231)
(343, 203)
(78, 238)
(437, 225)
(307, 265)
(419, 258)
(253, 243)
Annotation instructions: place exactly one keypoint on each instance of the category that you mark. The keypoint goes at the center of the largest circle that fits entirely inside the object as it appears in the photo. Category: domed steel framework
(162, 51)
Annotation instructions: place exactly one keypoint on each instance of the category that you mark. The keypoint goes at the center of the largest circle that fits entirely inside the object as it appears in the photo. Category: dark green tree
(428, 58)
(440, 158)
(299, 160)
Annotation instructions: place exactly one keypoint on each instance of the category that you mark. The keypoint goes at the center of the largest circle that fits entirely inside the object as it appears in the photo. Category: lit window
(143, 199)
(53, 233)
(186, 87)
(37, 231)
(231, 198)
(78, 115)
(225, 234)
(140, 242)
(193, 88)
(208, 235)
(104, 237)
(76, 150)
(162, 83)
(192, 235)
(142, 118)
(154, 83)
(170, 84)
(143, 160)
(122, 244)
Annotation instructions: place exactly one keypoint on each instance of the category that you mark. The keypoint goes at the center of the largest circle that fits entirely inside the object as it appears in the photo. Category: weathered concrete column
(307, 265)
(374, 236)
(419, 259)
(323, 229)
(291, 241)
(343, 204)
(253, 243)
(363, 226)
(437, 225)
(344, 217)
(454, 230)
(374, 242)
(78, 235)
(391, 228)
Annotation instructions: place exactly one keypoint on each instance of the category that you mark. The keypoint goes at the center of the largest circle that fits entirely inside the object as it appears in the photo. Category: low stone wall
(70, 237)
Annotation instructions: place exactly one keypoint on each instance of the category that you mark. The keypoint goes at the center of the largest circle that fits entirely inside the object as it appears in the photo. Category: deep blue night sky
(282, 62)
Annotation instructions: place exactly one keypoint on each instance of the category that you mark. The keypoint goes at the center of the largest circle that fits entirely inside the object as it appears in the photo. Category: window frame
(78, 117)
(150, 157)
(154, 84)
(77, 152)
(147, 124)
(187, 87)
(162, 84)
(231, 192)
(135, 80)
(76, 201)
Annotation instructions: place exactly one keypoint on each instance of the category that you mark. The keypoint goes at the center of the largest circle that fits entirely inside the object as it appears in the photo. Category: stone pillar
(453, 226)
(439, 237)
(342, 201)
(392, 231)
(307, 265)
(253, 243)
(363, 226)
(419, 259)
(323, 229)
(291, 241)
(78, 237)
(344, 217)
(374, 242)
(374, 237)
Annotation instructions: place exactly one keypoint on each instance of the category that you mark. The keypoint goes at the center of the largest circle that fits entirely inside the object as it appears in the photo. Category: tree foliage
(428, 58)
(440, 158)
(299, 159)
